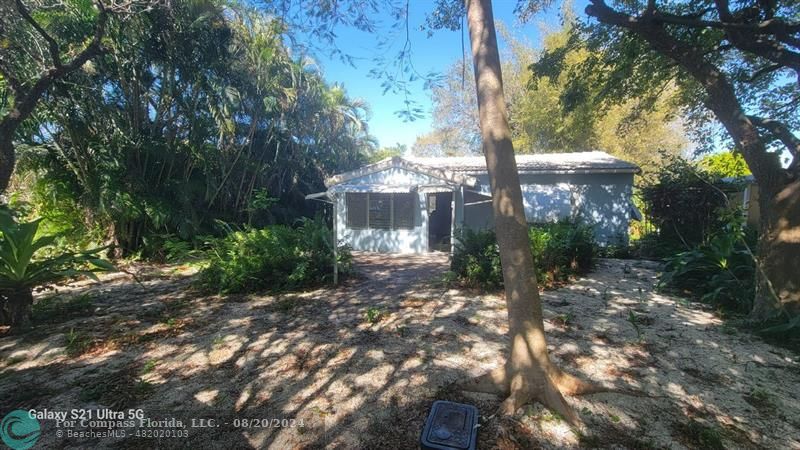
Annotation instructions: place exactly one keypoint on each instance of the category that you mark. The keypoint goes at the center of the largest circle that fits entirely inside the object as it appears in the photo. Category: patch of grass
(218, 341)
(614, 418)
(697, 435)
(634, 320)
(374, 315)
(285, 305)
(563, 320)
(148, 367)
(57, 309)
(77, 343)
(116, 390)
(761, 400)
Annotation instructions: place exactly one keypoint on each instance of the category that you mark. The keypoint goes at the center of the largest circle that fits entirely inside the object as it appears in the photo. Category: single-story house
(416, 204)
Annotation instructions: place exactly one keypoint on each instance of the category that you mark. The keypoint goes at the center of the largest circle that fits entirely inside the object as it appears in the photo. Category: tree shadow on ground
(365, 380)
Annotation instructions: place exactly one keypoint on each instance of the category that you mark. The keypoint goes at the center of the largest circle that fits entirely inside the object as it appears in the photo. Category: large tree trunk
(15, 308)
(7, 156)
(778, 287)
(528, 373)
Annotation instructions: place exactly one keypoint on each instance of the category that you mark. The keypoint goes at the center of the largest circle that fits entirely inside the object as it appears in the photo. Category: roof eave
(398, 162)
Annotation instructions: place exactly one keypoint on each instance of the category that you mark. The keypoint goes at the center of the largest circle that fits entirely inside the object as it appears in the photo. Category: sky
(428, 54)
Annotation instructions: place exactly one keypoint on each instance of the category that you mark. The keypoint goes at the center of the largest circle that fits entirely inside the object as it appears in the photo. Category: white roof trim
(379, 188)
(398, 162)
(316, 195)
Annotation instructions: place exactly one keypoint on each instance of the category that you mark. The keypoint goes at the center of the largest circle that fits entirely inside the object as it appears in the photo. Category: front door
(440, 219)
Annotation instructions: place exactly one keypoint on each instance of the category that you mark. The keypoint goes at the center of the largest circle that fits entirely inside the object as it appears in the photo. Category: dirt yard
(359, 365)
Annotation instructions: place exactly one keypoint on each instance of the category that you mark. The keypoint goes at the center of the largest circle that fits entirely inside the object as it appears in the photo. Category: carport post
(335, 242)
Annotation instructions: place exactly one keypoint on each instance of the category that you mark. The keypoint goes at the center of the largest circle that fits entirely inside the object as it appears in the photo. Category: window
(404, 211)
(356, 210)
(380, 211)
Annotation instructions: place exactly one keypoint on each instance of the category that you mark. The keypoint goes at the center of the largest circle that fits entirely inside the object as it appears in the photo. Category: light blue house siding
(597, 192)
(397, 180)
(600, 199)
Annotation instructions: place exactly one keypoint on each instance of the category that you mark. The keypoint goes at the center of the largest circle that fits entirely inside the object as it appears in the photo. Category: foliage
(539, 122)
(388, 152)
(720, 272)
(21, 269)
(725, 164)
(196, 112)
(682, 202)
(275, 258)
(477, 258)
(560, 250)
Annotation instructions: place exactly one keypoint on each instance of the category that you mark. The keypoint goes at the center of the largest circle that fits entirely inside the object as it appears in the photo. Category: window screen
(380, 211)
(356, 210)
(404, 211)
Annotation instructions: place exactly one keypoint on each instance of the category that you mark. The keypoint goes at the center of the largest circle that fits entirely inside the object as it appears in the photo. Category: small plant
(633, 319)
(374, 315)
(149, 366)
(701, 436)
(761, 400)
(21, 270)
(564, 320)
(77, 343)
(218, 341)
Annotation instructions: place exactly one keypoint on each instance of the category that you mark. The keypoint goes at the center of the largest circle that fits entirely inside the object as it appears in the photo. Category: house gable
(399, 171)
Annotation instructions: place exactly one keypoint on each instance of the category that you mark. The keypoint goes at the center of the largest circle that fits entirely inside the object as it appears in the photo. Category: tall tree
(528, 373)
(741, 62)
(538, 118)
(36, 59)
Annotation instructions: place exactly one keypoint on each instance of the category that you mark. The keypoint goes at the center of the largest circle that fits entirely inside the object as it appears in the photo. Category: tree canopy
(193, 113)
(538, 119)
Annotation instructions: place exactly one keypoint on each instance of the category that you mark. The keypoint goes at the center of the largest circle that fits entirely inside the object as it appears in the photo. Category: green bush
(275, 258)
(476, 259)
(719, 272)
(560, 250)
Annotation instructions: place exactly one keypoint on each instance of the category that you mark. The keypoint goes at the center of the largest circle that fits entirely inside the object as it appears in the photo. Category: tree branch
(764, 71)
(52, 45)
(780, 131)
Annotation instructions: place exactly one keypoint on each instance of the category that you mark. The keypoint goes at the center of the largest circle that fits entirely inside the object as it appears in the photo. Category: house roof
(403, 163)
(577, 162)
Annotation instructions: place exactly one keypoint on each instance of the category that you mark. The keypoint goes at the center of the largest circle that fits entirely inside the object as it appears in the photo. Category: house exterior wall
(414, 240)
(602, 200)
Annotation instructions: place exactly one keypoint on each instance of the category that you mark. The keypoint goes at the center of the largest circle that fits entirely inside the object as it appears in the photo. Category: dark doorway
(440, 219)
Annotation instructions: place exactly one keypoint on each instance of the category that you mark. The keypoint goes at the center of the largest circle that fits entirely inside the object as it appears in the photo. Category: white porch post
(335, 240)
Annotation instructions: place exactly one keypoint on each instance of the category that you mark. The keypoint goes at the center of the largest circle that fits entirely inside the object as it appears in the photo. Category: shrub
(681, 202)
(275, 258)
(719, 272)
(476, 259)
(25, 265)
(560, 250)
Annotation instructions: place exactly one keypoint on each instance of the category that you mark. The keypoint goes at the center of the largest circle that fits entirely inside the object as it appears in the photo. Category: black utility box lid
(450, 426)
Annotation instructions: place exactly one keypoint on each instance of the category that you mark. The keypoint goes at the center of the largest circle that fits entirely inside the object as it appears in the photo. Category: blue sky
(428, 54)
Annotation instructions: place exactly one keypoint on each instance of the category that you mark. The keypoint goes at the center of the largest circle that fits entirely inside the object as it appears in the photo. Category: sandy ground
(358, 366)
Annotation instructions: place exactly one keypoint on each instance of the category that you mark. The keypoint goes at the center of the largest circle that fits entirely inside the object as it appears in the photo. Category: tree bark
(528, 373)
(777, 286)
(25, 100)
(15, 309)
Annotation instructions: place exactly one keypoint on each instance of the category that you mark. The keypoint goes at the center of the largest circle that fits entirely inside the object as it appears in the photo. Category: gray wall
(602, 200)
